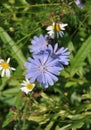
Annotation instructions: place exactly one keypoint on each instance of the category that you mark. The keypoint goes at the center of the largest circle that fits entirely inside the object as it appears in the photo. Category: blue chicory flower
(38, 44)
(62, 54)
(42, 69)
(79, 4)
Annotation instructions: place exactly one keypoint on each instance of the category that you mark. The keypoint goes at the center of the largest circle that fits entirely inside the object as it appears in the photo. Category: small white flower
(5, 67)
(57, 28)
(27, 86)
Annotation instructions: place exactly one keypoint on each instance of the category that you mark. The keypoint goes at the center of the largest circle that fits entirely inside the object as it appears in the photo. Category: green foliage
(66, 105)
(81, 55)
(14, 50)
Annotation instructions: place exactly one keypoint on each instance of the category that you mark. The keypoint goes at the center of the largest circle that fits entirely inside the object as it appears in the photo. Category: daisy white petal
(7, 73)
(2, 73)
(24, 89)
(8, 60)
(0, 67)
(12, 68)
(49, 28)
(1, 60)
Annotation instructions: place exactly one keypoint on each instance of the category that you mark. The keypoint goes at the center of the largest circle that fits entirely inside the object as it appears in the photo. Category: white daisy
(27, 86)
(57, 28)
(5, 67)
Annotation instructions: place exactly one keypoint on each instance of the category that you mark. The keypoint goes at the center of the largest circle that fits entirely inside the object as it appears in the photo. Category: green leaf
(66, 127)
(9, 118)
(48, 127)
(81, 55)
(70, 83)
(78, 125)
(18, 101)
(57, 127)
(39, 118)
(11, 91)
(3, 82)
(15, 51)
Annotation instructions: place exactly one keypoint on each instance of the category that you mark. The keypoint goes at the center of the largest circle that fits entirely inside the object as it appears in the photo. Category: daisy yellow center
(57, 27)
(30, 86)
(5, 65)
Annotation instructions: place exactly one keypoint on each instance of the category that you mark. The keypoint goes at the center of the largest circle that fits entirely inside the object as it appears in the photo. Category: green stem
(25, 114)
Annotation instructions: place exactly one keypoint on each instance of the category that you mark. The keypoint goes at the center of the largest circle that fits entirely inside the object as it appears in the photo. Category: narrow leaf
(15, 51)
(9, 118)
(81, 55)
(66, 127)
(49, 126)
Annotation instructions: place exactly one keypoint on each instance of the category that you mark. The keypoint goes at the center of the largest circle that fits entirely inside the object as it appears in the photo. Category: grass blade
(15, 51)
(81, 55)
